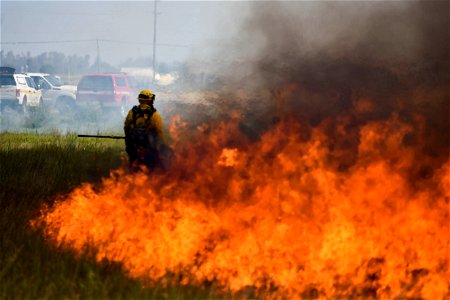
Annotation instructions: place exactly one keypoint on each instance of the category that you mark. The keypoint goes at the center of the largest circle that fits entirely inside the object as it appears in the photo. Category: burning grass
(35, 169)
(277, 215)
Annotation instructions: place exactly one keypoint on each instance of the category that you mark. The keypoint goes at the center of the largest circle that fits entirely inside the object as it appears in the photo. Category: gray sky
(183, 27)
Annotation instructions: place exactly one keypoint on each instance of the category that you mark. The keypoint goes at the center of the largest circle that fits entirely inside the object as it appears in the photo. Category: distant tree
(54, 63)
(163, 68)
(47, 69)
(102, 67)
(140, 62)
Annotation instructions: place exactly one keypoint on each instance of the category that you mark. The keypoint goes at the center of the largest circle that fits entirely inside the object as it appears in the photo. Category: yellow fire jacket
(155, 122)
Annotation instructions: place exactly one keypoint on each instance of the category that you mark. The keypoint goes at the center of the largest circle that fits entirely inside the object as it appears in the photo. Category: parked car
(18, 90)
(107, 90)
(53, 92)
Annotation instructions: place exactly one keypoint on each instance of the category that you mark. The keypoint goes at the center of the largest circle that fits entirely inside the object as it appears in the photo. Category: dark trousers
(142, 155)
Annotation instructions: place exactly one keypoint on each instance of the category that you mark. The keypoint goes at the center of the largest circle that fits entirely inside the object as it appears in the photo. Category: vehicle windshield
(96, 83)
(30, 82)
(7, 80)
(53, 80)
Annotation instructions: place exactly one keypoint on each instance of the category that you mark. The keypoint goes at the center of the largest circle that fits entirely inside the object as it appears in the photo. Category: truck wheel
(25, 109)
(123, 107)
(65, 104)
(41, 104)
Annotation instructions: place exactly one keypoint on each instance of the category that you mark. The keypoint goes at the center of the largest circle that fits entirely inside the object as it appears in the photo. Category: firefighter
(144, 133)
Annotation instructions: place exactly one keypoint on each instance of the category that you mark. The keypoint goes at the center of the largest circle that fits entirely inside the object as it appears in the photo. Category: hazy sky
(124, 28)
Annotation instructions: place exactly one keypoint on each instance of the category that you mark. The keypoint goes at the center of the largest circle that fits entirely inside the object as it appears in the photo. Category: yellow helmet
(146, 96)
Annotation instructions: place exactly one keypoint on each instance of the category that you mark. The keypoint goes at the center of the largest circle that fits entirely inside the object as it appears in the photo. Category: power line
(144, 43)
(45, 42)
(155, 13)
(93, 40)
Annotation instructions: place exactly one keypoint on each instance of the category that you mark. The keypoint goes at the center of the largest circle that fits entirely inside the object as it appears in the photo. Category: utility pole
(68, 71)
(154, 40)
(98, 57)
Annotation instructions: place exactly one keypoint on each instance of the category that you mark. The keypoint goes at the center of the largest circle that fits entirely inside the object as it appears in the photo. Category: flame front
(275, 215)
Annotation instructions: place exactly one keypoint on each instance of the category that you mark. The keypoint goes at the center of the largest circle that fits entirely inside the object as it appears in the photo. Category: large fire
(277, 215)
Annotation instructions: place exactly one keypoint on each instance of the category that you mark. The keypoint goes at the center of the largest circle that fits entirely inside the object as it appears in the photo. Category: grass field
(34, 170)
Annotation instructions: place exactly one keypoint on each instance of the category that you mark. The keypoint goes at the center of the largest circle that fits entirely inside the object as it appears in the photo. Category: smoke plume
(346, 63)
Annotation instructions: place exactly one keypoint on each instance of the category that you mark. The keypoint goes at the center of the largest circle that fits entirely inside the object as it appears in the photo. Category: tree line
(53, 62)
(71, 67)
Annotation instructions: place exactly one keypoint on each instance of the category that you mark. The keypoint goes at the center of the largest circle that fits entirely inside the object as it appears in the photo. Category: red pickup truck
(107, 90)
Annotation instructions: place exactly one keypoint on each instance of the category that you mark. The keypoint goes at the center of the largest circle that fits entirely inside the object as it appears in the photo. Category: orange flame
(274, 215)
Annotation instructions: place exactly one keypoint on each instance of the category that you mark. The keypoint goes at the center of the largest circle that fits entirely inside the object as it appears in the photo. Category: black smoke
(324, 62)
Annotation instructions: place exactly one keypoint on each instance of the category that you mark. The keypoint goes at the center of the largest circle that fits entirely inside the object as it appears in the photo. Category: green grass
(34, 169)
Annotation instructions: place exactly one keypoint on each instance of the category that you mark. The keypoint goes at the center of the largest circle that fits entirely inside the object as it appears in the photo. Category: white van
(18, 90)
